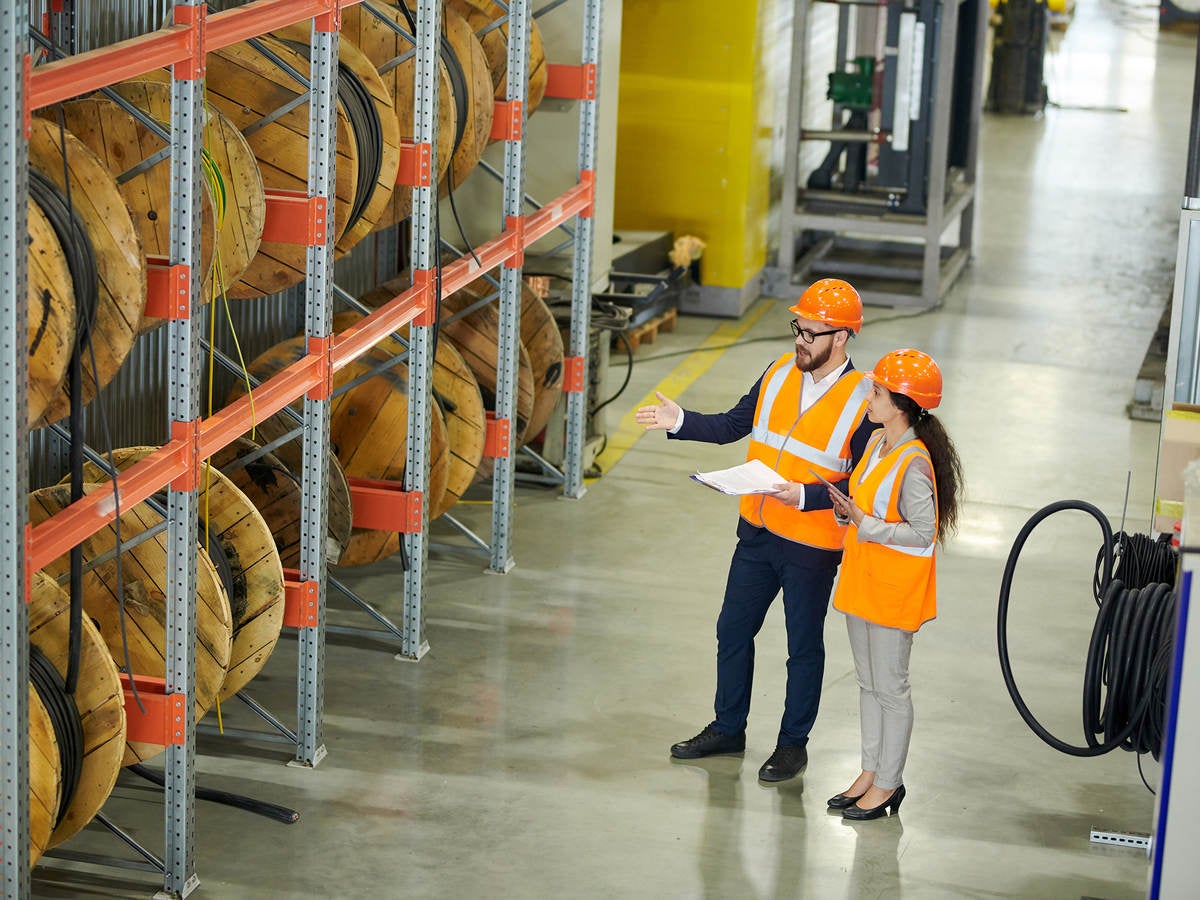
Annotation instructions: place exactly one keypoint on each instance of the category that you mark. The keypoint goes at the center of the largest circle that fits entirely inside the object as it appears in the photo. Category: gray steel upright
(314, 474)
(183, 407)
(425, 254)
(509, 339)
(14, 463)
(581, 286)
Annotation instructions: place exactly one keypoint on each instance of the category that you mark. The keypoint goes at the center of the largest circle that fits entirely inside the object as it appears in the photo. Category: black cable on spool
(454, 69)
(1140, 560)
(367, 130)
(85, 284)
(1128, 655)
(212, 545)
(64, 717)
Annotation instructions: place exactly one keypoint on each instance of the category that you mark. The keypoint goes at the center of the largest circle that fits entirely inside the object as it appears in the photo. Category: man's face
(812, 356)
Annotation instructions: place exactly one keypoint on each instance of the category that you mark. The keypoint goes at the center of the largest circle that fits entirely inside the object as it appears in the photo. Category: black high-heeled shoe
(858, 814)
(841, 801)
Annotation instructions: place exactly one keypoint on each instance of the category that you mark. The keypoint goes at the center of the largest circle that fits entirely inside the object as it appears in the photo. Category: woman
(903, 500)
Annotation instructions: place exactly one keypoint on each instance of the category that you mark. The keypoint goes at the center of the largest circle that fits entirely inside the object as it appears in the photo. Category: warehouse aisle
(527, 754)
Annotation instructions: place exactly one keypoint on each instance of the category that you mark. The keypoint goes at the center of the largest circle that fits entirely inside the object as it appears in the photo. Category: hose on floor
(238, 801)
(1129, 655)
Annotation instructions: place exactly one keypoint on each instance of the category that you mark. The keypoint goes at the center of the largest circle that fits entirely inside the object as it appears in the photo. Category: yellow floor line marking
(628, 432)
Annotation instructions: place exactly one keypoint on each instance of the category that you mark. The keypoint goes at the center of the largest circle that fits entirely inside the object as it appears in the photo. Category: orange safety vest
(887, 584)
(791, 444)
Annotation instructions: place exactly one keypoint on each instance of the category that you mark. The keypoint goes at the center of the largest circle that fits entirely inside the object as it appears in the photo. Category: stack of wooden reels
(99, 217)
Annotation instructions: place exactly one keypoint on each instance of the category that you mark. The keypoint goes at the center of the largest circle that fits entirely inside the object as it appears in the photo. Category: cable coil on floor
(1128, 659)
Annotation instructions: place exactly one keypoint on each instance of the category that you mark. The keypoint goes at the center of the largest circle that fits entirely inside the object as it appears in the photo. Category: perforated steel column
(14, 481)
(581, 287)
(183, 406)
(420, 356)
(509, 341)
(318, 295)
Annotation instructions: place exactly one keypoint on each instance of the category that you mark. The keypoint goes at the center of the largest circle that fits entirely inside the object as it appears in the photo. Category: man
(805, 415)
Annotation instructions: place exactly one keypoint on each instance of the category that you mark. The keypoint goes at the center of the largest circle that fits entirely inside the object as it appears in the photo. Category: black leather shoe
(858, 814)
(709, 742)
(786, 762)
(841, 801)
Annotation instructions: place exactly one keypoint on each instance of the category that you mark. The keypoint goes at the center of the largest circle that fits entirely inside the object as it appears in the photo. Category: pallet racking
(183, 45)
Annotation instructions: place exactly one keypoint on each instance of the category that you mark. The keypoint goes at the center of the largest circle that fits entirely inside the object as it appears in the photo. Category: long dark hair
(947, 469)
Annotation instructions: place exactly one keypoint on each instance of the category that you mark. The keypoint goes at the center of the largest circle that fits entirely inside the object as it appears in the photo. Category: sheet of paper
(754, 477)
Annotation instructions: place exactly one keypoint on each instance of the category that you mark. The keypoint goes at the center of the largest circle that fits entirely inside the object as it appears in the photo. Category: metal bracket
(162, 722)
(588, 177)
(321, 348)
(515, 226)
(193, 17)
(385, 506)
(189, 454)
(416, 164)
(497, 443)
(293, 217)
(507, 116)
(1123, 839)
(571, 82)
(426, 281)
(300, 606)
(573, 374)
(168, 289)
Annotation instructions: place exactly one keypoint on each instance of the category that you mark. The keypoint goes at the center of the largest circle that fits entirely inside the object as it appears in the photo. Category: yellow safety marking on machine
(1186, 415)
(628, 432)
(1169, 508)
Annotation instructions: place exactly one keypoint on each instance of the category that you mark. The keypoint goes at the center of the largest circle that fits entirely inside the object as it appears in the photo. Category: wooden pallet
(648, 330)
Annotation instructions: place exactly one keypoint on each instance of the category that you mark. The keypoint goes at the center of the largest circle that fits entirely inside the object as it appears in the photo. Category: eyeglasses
(808, 334)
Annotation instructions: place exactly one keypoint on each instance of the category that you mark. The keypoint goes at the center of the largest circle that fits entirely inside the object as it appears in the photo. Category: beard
(813, 361)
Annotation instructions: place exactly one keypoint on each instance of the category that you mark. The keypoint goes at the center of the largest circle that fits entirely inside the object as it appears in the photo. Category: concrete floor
(526, 755)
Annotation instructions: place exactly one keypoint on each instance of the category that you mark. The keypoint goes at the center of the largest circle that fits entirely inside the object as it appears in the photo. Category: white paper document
(754, 477)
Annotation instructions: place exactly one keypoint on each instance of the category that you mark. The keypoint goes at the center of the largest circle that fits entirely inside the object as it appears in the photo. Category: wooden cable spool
(241, 206)
(368, 431)
(144, 578)
(245, 538)
(480, 105)
(138, 160)
(353, 62)
(542, 339)
(481, 13)
(385, 39)
(250, 89)
(274, 489)
(458, 397)
(45, 778)
(98, 698)
(51, 323)
(120, 262)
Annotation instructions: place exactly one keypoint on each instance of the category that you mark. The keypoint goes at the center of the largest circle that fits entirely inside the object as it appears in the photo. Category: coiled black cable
(1139, 560)
(64, 717)
(1128, 659)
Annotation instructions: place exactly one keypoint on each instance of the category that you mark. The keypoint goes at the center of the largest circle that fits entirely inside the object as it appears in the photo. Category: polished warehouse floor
(526, 754)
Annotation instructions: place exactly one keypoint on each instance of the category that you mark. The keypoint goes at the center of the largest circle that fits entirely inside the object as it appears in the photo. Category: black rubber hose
(239, 801)
(1126, 668)
(64, 717)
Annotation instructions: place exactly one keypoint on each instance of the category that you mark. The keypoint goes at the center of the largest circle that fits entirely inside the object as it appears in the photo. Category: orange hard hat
(832, 301)
(912, 373)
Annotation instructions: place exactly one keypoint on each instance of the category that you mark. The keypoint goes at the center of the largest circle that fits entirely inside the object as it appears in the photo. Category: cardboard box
(1180, 445)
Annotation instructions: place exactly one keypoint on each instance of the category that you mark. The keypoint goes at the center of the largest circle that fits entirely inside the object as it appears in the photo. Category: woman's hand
(845, 507)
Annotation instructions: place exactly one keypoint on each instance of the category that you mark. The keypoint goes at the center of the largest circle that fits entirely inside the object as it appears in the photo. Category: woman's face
(880, 408)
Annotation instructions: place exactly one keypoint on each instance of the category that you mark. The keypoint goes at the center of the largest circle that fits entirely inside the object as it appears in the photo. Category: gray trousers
(884, 705)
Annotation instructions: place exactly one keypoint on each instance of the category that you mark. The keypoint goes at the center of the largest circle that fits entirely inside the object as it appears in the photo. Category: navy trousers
(762, 566)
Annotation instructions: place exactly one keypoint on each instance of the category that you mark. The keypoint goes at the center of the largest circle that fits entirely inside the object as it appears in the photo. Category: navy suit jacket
(727, 427)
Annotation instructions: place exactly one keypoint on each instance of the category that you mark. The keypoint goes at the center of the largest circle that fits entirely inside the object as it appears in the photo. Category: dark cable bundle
(64, 717)
(1128, 659)
(1139, 560)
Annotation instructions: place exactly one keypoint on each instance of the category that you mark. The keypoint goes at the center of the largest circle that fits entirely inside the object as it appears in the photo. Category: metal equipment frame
(934, 266)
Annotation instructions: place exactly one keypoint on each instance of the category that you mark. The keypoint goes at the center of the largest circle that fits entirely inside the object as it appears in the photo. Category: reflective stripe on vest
(829, 456)
(881, 505)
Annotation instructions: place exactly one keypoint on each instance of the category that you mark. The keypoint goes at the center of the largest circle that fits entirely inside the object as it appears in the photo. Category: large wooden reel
(353, 62)
(134, 155)
(384, 39)
(51, 323)
(457, 395)
(234, 180)
(249, 88)
(120, 262)
(98, 697)
(144, 577)
(479, 14)
(256, 598)
(542, 339)
(275, 491)
(45, 777)
(369, 433)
